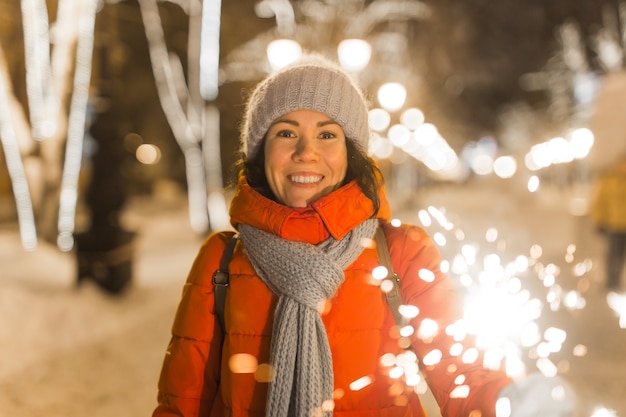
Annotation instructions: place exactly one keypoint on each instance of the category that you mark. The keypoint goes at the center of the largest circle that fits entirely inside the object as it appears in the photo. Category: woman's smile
(305, 157)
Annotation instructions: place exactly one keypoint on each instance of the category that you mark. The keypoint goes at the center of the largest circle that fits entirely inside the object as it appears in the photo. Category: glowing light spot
(521, 263)
(424, 218)
(360, 383)
(604, 412)
(579, 350)
(264, 373)
(460, 265)
(444, 266)
(503, 407)
(456, 349)
(409, 311)
(328, 406)
(379, 119)
(412, 118)
(428, 328)
(459, 379)
(439, 239)
(242, 363)
(505, 166)
(426, 275)
(414, 380)
(543, 350)
(380, 273)
(407, 358)
(339, 394)
(462, 391)
(282, 52)
(148, 154)
(354, 54)
(617, 302)
(407, 331)
(399, 135)
(553, 334)
(536, 251)
(470, 355)
(396, 372)
(491, 235)
(546, 367)
(482, 164)
(432, 358)
(533, 184)
(386, 286)
(392, 96)
(388, 359)
(466, 280)
(396, 222)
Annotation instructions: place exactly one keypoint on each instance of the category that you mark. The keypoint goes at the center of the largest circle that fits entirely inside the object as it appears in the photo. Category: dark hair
(360, 168)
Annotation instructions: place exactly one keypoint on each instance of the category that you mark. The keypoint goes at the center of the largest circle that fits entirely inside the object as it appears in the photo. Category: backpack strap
(221, 281)
(221, 278)
(393, 296)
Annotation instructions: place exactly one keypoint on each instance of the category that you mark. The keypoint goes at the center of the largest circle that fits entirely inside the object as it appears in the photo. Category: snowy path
(67, 352)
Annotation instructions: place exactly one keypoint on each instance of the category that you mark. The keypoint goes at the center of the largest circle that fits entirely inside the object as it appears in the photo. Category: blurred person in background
(608, 214)
(306, 326)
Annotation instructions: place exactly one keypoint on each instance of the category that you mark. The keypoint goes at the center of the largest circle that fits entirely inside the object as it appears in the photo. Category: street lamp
(282, 52)
(354, 54)
(392, 96)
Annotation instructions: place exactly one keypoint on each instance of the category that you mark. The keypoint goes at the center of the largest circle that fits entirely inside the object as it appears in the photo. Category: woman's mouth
(305, 179)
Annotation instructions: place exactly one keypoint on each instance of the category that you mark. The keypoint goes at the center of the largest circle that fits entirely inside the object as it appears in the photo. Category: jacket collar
(333, 215)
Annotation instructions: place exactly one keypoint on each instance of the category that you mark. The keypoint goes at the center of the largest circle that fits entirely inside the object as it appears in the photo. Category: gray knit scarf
(303, 276)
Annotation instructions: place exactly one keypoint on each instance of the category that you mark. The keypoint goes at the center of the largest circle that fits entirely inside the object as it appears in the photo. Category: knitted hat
(312, 83)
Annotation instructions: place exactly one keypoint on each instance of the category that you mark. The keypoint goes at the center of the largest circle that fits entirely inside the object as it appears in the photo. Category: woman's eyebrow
(288, 121)
(327, 122)
(295, 123)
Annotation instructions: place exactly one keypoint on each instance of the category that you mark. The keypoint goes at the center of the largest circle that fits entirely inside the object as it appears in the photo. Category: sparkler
(503, 312)
(503, 315)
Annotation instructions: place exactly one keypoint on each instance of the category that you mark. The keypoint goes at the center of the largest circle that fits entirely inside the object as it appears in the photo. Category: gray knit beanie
(312, 83)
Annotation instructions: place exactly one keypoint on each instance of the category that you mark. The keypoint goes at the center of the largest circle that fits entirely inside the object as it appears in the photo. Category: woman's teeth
(305, 179)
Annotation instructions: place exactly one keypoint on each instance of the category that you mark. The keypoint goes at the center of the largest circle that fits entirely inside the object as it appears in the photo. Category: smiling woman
(306, 157)
(305, 328)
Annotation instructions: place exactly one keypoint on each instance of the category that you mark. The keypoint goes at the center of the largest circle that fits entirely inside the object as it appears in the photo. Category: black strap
(221, 281)
(221, 276)
(393, 296)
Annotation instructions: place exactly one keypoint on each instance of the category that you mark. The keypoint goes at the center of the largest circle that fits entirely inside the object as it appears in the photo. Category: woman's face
(305, 157)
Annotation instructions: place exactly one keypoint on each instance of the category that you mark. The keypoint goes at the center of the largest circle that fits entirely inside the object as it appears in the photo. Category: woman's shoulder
(408, 242)
(209, 256)
(402, 233)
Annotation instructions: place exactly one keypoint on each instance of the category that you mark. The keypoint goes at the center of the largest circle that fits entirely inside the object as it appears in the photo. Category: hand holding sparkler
(536, 396)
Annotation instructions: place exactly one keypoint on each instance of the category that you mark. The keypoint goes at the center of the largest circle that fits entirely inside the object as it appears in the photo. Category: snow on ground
(73, 352)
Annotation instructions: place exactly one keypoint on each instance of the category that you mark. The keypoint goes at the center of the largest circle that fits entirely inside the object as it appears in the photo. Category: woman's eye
(285, 134)
(327, 135)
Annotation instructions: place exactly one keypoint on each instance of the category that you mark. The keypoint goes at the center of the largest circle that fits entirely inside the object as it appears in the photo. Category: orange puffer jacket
(207, 374)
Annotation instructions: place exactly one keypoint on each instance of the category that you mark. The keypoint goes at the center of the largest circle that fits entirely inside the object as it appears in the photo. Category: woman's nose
(305, 149)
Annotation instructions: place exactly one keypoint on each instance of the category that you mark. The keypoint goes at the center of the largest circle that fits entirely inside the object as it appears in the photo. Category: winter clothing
(303, 276)
(608, 214)
(313, 83)
(206, 374)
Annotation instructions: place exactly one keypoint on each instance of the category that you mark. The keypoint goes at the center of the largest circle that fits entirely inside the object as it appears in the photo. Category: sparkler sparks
(502, 311)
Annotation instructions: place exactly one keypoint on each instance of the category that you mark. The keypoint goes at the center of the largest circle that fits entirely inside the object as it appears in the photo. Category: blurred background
(491, 120)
